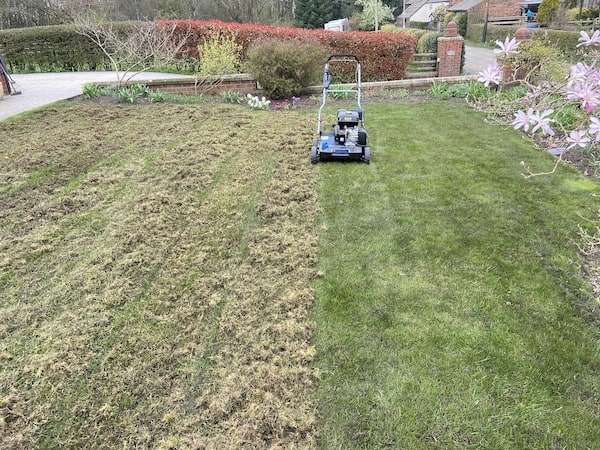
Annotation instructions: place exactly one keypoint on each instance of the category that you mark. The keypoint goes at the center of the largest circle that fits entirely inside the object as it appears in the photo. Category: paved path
(39, 89)
(477, 59)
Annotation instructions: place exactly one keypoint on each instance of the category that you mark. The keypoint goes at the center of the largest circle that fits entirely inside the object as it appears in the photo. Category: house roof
(465, 5)
(413, 8)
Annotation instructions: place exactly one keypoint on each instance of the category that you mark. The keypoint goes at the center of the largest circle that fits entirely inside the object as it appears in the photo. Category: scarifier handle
(326, 77)
(343, 55)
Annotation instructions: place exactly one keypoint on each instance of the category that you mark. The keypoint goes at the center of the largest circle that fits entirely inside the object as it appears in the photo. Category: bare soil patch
(155, 276)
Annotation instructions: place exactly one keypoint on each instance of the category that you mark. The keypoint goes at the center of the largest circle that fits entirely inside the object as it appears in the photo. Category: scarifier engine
(347, 131)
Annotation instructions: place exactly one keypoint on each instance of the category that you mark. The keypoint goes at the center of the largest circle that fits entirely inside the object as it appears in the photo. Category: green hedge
(428, 42)
(384, 56)
(49, 49)
(563, 40)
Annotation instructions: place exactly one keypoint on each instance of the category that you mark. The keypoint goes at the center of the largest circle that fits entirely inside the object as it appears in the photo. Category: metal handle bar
(343, 55)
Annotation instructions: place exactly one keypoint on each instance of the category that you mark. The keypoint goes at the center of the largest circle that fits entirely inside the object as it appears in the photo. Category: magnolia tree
(139, 47)
(545, 103)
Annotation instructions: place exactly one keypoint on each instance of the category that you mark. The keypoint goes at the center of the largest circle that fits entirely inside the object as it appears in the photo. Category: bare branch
(136, 47)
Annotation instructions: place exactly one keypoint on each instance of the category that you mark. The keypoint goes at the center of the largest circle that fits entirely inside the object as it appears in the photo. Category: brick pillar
(449, 52)
(523, 34)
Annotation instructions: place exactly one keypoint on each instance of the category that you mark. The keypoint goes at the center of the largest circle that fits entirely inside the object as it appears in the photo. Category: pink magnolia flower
(586, 94)
(595, 127)
(578, 138)
(587, 40)
(524, 120)
(493, 74)
(507, 47)
(543, 122)
(579, 73)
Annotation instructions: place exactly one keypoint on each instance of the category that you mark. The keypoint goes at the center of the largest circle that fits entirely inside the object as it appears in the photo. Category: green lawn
(180, 276)
(441, 318)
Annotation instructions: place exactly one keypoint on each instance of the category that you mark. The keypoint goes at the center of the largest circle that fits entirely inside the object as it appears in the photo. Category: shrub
(219, 55)
(535, 59)
(284, 68)
(586, 13)
(428, 42)
(420, 25)
(416, 32)
(384, 56)
(461, 20)
(389, 28)
(565, 41)
(449, 17)
(547, 10)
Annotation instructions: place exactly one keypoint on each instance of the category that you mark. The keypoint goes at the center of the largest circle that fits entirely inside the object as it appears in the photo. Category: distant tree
(547, 10)
(396, 5)
(313, 13)
(374, 13)
(344, 9)
(26, 13)
(30, 13)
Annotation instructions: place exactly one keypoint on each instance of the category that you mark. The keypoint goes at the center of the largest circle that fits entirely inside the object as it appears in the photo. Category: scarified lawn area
(155, 268)
(180, 276)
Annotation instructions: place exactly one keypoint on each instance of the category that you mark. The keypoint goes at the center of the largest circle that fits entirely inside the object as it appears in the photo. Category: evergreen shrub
(285, 68)
(428, 42)
(461, 21)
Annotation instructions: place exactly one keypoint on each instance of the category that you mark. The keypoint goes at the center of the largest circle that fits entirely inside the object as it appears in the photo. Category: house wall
(497, 8)
(423, 14)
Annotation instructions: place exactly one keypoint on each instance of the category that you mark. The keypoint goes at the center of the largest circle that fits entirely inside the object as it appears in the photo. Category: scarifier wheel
(366, 155)
(313, 155)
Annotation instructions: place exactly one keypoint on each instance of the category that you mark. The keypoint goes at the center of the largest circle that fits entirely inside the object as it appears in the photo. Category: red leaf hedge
(383, 56)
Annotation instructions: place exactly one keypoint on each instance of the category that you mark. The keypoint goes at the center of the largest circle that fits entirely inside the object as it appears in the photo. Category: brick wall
(503, 8)
(497, 8)
(243, 84)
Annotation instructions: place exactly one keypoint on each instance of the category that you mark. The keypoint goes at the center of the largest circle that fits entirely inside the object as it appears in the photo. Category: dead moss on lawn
(155, 273)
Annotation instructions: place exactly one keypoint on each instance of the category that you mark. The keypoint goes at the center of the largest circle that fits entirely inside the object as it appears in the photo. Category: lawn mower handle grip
(343, 55)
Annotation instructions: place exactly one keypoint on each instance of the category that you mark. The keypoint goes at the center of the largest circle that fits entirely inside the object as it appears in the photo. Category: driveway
(39, 89)
(477, 59)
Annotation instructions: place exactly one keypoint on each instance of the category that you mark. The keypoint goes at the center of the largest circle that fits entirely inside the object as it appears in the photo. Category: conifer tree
(313, 13)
